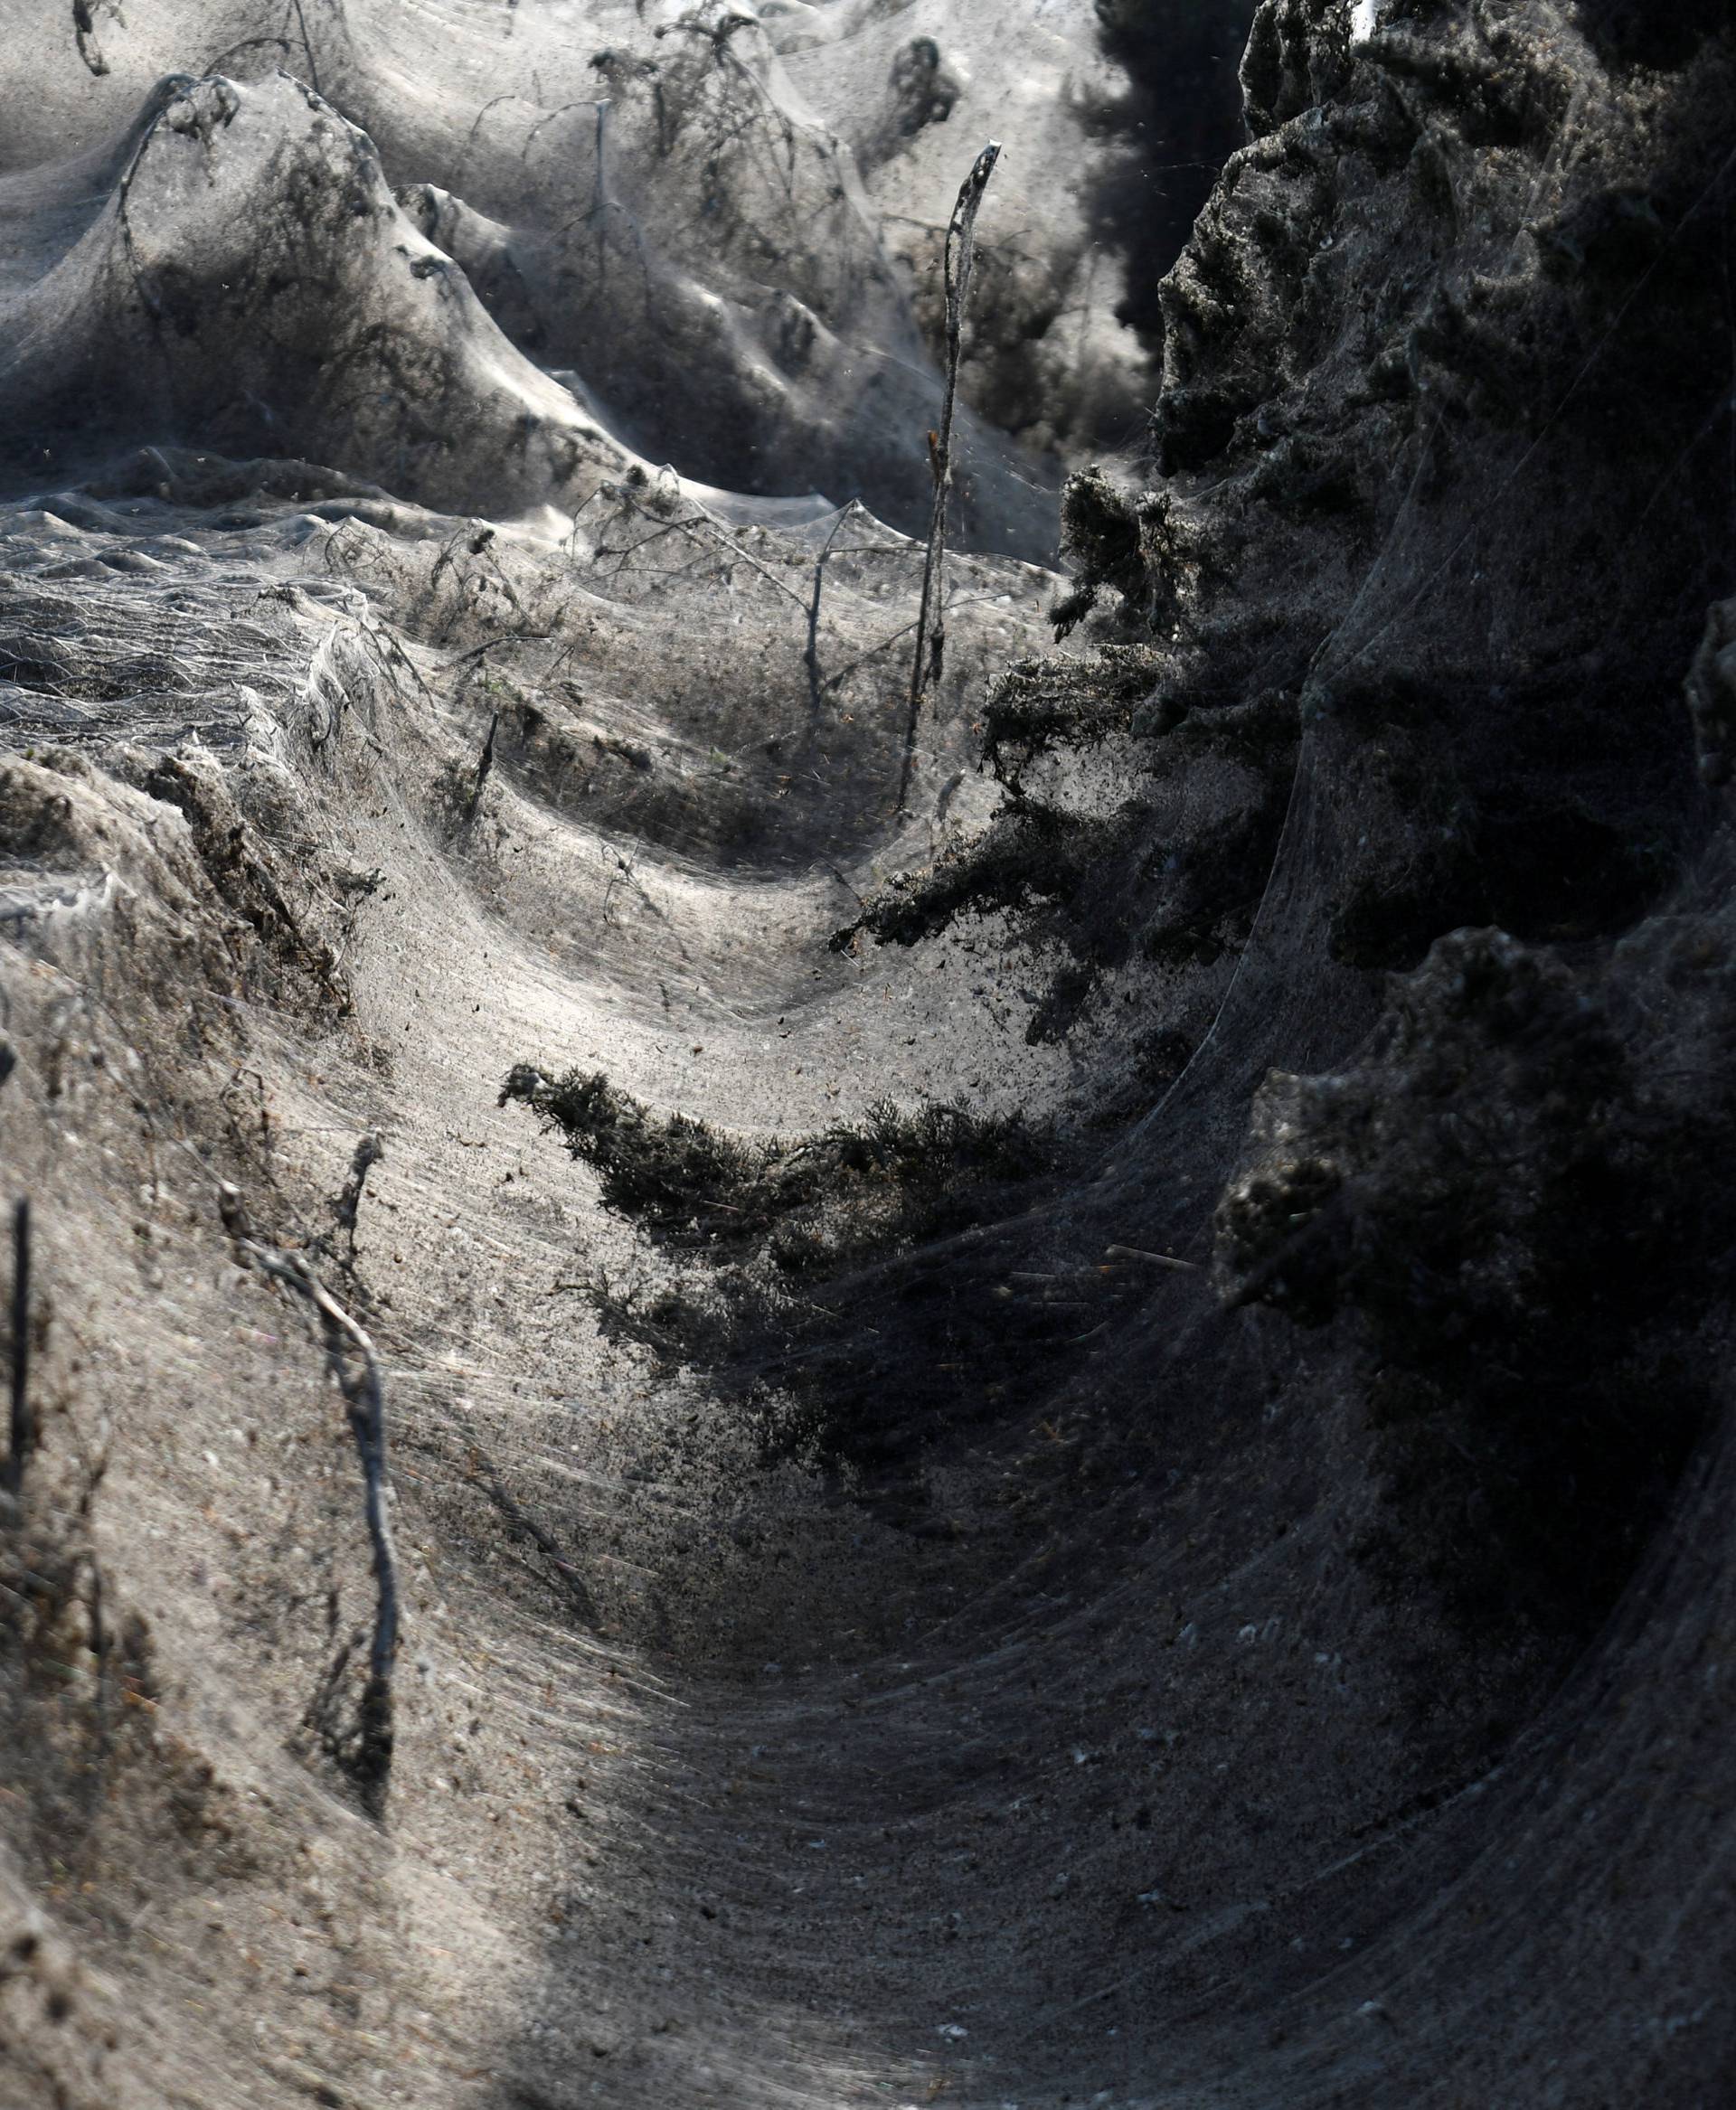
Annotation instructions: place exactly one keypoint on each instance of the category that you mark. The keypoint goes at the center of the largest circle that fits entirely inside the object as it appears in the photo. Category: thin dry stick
(368, 1153)
(930, 622)
(349, 1355)
(84, 30)
(811, 656)
(482, 1470)
(21, 1437)
(702, 523)
(306, 45)
(1156, 1259)
(487, 762)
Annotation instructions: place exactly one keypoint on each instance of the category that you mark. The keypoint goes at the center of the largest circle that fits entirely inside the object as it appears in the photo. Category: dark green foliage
(1295, 60)
(1530, 804)
(1211, 879)
(1102, 889)
(1032, 852)
(1041, 705)
(1598, 335)
(1434, 481)
(1489, 1057)
(1515, 1216)
(1501, 92)
(1100, 538)
(1303, 478)
(774, 1223)
(680, 1178)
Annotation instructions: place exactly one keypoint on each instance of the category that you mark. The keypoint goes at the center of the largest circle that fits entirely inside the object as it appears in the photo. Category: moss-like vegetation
(1098, 891)
(812, 1205)
(762, 1228)
(1032, 853)
(1041, 706)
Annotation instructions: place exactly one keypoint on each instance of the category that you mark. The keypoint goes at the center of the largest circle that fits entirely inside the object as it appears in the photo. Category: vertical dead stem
(18, 1448)
(931, 623)
(349, 1354)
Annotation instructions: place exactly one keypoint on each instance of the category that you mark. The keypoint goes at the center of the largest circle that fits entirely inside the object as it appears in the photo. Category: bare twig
(811, 656)
(844, 674)
(698, 525)
(477, 652)
(368, 1153)
(84, 29)
(548, 117)
(366, 1756)
(584, 1605)
(97, 1779)
(1155, 1260)
(219, 60)
(307, 46)
(483, 768)
(21, 1432)
(958, 263)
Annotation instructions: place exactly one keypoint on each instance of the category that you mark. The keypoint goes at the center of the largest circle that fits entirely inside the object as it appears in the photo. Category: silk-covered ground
(1203, 1578)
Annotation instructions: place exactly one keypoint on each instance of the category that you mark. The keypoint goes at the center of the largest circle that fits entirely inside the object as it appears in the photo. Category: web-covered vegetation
(1392, 644)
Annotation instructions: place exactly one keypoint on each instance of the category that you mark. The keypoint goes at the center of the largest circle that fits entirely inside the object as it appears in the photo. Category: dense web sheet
(1017, 1475)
